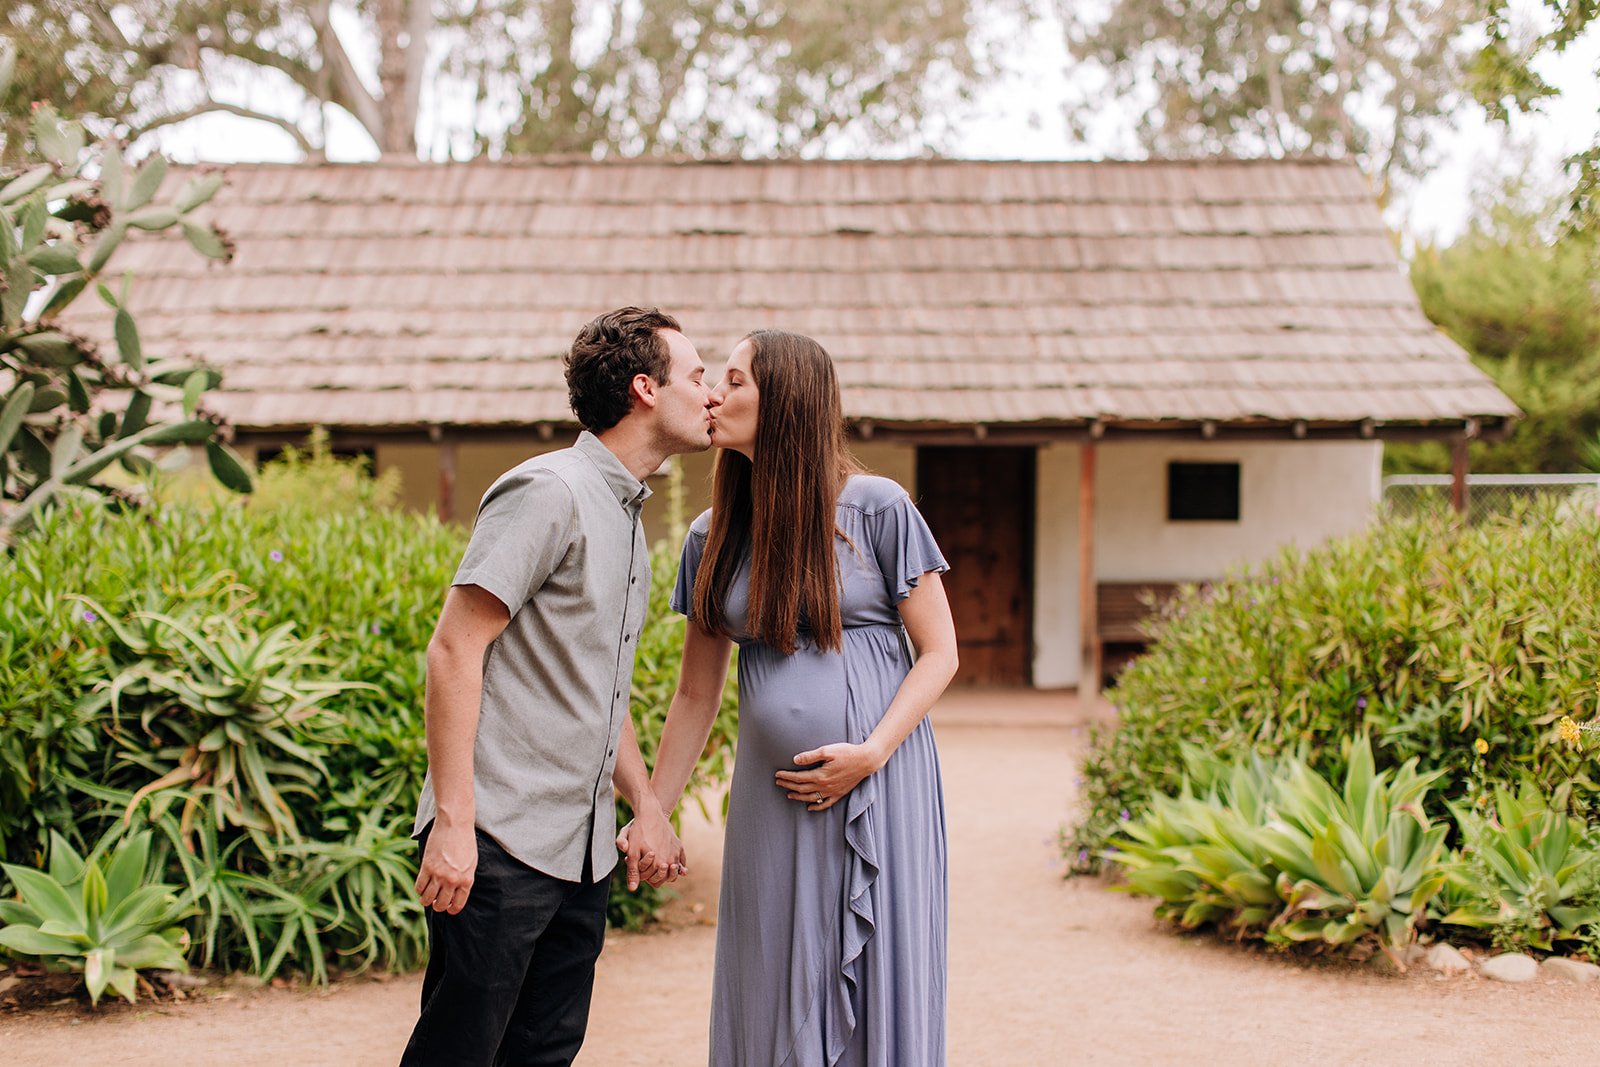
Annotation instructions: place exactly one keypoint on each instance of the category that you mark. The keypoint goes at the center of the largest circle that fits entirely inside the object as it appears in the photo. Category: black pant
(509, 978)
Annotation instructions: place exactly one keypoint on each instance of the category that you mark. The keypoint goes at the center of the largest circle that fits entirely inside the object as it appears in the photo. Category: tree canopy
(589, 76)
(1505, 82)
(1371, 80)
(1281, 77)
(1522, 301)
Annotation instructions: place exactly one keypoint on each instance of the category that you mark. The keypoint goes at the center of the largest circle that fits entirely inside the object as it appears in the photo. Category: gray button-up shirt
(559, 542)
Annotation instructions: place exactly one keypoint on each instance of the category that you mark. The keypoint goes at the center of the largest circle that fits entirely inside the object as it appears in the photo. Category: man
(529, 672)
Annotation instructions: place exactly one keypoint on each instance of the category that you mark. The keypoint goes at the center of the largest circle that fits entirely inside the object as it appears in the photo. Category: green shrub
(1527, 874)
(1276, 852)
(105, 920)
(222, 710)
(68, 411)
(266, 660)
(1426, 635)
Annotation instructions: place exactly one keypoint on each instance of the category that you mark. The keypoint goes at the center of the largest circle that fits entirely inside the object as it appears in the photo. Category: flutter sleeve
(694, 546)
(904, 546)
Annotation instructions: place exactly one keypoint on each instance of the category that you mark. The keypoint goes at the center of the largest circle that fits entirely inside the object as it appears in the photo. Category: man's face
(681, 404)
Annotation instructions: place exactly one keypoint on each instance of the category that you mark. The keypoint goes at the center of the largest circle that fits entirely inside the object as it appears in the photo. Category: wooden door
(980, 503)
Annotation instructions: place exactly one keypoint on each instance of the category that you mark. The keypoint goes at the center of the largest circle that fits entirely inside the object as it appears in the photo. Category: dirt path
(1041, 972)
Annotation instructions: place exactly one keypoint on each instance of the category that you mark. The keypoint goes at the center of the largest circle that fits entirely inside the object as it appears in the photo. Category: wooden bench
(1122, 610)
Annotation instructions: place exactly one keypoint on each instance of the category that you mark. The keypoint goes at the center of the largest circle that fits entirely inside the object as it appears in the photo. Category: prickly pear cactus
(69, 408)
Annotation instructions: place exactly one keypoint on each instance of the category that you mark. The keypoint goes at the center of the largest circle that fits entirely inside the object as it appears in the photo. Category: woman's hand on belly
(832, 771)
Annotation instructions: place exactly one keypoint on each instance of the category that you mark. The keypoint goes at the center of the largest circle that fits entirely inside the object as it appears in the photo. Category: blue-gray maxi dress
(831, 929)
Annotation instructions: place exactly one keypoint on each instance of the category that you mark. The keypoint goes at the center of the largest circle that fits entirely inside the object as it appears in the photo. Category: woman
(831, 932)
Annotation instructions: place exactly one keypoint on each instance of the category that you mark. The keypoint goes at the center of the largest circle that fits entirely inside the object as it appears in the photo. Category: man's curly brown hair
(606, 356)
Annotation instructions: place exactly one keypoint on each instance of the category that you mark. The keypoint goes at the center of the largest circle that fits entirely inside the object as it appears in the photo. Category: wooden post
(1458, 475)
(1088, 624)
(447, 478)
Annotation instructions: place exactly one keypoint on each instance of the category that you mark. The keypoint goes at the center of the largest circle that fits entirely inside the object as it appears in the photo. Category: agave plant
(1364, 860)
(1201, 854)
(368, 880)
(1525, 871)
(105, 923)
(1279, 853)
(224, 712)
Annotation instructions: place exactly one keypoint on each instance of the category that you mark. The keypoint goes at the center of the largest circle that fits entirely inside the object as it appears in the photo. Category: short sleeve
(525, 527)
(904, 547)
(694, 546)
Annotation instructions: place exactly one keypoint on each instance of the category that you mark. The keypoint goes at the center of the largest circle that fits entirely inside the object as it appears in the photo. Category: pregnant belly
(788, 705)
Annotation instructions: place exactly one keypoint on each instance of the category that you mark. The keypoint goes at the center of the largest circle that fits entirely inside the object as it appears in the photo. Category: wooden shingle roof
(949, 292)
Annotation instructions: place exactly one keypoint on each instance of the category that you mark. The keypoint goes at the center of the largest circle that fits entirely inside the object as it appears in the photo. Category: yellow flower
(1481, 745)
(1570, 732)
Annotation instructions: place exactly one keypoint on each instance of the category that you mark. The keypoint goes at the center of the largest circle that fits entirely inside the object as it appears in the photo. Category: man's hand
(654, 853)
(449, 863)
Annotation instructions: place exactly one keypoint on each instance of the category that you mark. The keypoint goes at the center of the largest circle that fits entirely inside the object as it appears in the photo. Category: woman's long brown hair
(778, 511)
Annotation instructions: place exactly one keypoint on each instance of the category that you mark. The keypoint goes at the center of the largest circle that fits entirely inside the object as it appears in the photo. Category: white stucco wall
(1290, 492)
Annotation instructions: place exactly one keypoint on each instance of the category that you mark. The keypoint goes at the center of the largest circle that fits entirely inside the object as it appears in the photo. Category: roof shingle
(401, 294)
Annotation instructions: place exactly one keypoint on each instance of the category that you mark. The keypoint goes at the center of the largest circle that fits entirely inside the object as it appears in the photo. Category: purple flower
(1126, 815)
(275, 556)
(1078, 781)
(1083, 855)
(377, 629)
(1361, 702)
(89, 616)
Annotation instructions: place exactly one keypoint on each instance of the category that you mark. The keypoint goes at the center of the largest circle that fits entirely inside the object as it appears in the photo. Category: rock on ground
(1446, 960)
(1575, 971)
(1509, 967)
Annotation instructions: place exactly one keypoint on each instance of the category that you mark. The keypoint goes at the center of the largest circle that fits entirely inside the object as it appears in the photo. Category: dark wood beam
(1088, 623)
(966, 433)
(447, 479)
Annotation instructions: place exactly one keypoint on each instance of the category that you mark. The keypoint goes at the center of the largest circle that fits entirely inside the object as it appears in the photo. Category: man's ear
(642, 391)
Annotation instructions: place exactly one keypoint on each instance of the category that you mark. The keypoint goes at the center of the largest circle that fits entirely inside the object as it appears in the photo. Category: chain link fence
(1489, 495)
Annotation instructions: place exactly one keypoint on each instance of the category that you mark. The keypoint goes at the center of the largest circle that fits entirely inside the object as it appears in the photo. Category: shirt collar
(628, 490)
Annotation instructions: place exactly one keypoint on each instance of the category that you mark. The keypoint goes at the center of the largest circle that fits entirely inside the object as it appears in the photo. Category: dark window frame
(1204, 491)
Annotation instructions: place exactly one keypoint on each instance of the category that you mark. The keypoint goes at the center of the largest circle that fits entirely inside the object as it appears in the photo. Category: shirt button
(610, 752)
(633, 581)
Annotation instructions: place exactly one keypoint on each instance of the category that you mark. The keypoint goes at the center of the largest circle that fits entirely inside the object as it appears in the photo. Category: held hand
(654, 853)
(838, 769)
(449, 863)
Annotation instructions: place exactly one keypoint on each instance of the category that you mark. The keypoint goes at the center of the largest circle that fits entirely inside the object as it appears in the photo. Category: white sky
(1019, 116)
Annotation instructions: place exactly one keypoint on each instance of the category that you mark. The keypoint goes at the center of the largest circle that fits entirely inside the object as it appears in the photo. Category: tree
(1523, 303)
(68, 413)
(590, 76)
(1505, 82)
(1367, 80)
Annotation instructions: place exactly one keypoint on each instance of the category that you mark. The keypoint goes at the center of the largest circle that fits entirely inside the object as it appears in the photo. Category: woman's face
(734, 404)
